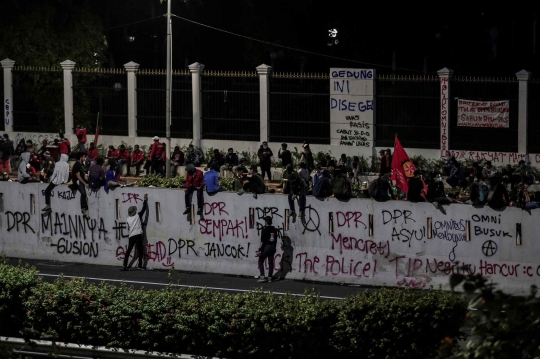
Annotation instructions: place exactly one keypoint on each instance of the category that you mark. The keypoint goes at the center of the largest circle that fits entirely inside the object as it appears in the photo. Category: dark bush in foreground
(385, 324)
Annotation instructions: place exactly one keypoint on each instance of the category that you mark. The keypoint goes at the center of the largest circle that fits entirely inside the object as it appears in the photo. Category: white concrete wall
(335, 245)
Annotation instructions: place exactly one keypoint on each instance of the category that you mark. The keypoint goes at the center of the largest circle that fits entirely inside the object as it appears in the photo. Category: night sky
(473, 41)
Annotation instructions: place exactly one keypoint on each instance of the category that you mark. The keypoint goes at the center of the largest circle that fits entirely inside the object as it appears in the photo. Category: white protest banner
(352, 107)
(494, 114)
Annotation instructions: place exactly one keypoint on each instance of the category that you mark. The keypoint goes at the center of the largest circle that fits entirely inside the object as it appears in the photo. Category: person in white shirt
(135, 231)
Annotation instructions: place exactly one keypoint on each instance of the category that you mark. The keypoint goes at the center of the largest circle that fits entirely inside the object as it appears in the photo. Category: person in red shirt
(63, 145)
(156, 155)
(122, 157)
(194, 182)
(92, 154)
(136, 160)
(81, 137)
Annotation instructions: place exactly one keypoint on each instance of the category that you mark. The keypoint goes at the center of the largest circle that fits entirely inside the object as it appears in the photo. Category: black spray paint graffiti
(72, 226)
(489, 248)
(67, 195)
(218, 250)
(76, 247)
(35, 137)
(16, 219)
(119, 228)
(312, 221)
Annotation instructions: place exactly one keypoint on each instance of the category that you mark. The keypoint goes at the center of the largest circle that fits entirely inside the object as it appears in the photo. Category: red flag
(402, 167)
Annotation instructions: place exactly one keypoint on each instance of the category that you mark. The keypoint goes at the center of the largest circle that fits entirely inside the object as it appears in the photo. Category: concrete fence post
(444, 78)
(131, 69)
(263, 71)
(7, 65)
(523, 114)
(196, 69)
(68, 67)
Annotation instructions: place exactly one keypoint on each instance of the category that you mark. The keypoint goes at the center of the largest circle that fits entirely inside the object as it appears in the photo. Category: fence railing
(298, 106)
(151, 104)
(230, 105)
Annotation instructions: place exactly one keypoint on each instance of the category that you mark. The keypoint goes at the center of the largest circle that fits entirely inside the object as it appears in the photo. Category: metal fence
(151, 104)
(103, 92)
(230, 105)
(38, 99)
(484, 89)
(408, 106)
(299, 108)
(533, 128)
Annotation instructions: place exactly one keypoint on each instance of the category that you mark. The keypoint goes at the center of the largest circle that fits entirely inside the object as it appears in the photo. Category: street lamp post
(169, 89)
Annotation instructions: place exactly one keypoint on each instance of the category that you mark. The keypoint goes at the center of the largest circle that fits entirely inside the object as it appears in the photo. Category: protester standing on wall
(63, 145)
(265, 154)
(134, 223)
(81, 137)
(156, 150)
(267, 249)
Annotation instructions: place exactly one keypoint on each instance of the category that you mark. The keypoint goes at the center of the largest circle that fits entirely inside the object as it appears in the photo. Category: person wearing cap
(231, 163)
(267, 249)
(155, 156)
(81, 137)
(211, 180)
(416, 192)
(92, 154)
(285, 155)
(135, 233)
(255, 183)
(194, 156)
(7, 151)
(265, 154)
(136, 160)
(194, 183)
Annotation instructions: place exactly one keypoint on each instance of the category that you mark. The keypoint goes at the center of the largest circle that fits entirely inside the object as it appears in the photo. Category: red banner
(402, 167)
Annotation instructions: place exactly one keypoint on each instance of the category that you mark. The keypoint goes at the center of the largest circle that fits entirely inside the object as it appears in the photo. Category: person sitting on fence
(416, 192)
(194, 183)
(457, 176)
(436, 194)
(211, 180)
(298, 191)
(489, 173)
(303, 172)
(341, 187)
(216, 159)
(96, 175)
(112, 180)
(231, 163)
(323, 187)
(253, 184)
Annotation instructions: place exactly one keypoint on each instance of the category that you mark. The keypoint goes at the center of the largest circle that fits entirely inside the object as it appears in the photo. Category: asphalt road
(157, 279)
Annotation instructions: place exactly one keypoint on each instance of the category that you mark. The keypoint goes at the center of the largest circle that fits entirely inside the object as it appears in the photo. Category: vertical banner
(445, 116)
(352, 107)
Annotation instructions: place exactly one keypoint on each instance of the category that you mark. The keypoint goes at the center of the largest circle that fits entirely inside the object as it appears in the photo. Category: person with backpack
(96, 175)
(298, 191)
(267, 249)
(498, 196)
(341, 187)
(323, 187)
(380, 189)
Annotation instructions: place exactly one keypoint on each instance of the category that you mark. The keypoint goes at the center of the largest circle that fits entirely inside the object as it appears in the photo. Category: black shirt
(286, 157)
(256, 183)
(415, 189)
(77, 168)
(268, 237)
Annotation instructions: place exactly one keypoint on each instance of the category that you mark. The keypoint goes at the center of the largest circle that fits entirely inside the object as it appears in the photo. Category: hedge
(389, 323)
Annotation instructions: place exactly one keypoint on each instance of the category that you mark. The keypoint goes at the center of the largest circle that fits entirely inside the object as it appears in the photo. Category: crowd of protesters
(481, 184)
